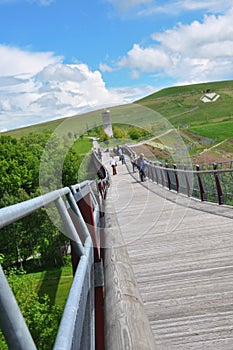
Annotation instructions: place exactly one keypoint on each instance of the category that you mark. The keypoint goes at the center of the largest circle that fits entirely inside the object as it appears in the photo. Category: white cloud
(35, 87)
(191, 38)
(214, 6)
(201, 51)
(134, 93)
(123, 5)
(135, 74)
(15, 61)
(105, 68)
(146, 59)
(143, 8)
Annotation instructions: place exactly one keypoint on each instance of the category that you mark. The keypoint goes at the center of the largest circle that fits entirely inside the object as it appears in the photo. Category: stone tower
(107, 122)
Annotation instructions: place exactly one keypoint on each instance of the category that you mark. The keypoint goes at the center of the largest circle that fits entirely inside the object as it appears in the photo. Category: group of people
(139, 163)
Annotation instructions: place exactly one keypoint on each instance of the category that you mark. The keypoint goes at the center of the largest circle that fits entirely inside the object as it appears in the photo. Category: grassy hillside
(36, 128)
(206, 128)
(201, 125)
(182, 105)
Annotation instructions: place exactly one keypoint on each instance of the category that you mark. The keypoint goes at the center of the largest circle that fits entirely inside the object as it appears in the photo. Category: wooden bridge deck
(181, 251)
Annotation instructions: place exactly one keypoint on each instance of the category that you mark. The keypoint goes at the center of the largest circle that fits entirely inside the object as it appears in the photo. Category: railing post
(218, 186)
(176, 177)
(156, 174)
(161, 173)
(201, 187)
(168, 177)
(187, 182)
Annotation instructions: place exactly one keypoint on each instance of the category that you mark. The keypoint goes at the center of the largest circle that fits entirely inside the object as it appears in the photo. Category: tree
(119, 133)
(42, 318)
(19, 181)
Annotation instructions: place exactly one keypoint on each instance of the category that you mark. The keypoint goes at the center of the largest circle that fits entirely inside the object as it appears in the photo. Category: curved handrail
(213, 185)
(73, 332)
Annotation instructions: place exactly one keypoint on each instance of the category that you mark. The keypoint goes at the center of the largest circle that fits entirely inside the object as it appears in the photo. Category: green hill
(202, 125)
(206, 127)
(182, 105)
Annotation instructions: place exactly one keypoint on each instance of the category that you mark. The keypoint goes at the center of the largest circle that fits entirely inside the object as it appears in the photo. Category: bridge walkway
(181, 251)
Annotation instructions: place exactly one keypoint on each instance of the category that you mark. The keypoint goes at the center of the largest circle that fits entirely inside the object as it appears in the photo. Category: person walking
(120, 153)
(113, 164)
(142, 163)
(134, 163)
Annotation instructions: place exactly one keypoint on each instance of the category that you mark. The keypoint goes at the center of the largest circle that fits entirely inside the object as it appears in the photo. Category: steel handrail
(79, 311)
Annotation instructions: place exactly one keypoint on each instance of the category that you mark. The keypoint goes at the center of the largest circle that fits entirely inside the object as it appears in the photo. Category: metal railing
(80, 208)
(199, 181)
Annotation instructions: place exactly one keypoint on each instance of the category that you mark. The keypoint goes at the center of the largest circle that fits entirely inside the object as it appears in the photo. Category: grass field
(54, 282)
(83, 145)
(218, 131)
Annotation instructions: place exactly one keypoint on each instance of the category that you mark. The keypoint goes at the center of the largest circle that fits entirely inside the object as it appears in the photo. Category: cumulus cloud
(36, 87)
(201, 51)
(15, 61)
(147, 59)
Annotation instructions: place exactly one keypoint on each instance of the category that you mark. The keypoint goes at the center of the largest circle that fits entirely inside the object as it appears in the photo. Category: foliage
(119, 132)
(137, 133)
(20, 161)
(103, 136)
(42, 318)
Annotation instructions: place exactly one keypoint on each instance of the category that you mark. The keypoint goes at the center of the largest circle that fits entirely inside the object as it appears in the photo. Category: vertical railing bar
(79, 217)
(12, 322)
(156, 174)
(67, 326)
(200, 183)
(168, 177)
(68, 224)
(176, 177)
(162, 175)
(187, 182)
(218, 186)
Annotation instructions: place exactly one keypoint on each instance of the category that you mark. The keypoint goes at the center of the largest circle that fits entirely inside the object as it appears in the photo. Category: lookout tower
(107, 123)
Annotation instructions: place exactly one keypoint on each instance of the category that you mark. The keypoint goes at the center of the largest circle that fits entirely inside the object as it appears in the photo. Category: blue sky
(59, 58)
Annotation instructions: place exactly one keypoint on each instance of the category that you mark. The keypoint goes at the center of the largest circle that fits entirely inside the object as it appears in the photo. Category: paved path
(182, 257)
